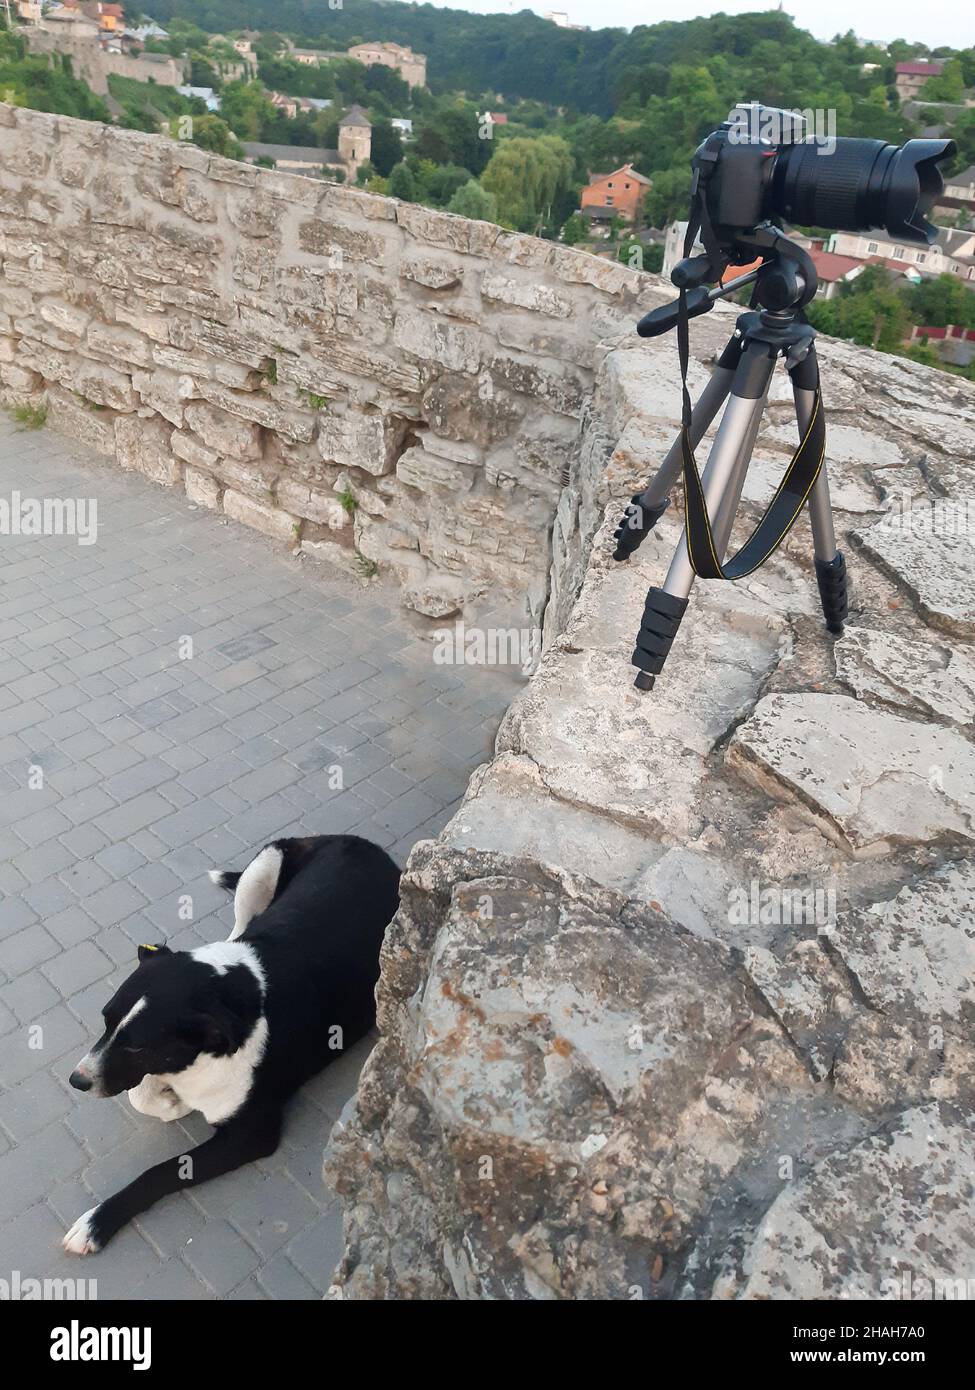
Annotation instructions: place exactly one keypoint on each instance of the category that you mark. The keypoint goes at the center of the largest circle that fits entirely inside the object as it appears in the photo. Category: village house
(412, 67)
(909, 78)
(952, 252)
(291, 106)
(960, 190)
(621, 191)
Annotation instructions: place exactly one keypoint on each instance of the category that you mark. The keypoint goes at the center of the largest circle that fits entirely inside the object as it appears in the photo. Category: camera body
(760, 164)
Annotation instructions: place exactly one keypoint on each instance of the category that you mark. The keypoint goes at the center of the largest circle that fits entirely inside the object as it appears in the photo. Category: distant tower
(355, 138)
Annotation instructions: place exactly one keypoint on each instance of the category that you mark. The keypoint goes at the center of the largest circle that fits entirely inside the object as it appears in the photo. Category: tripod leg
(830, 562)
(647, 507)
(728, 507)
(740, 423)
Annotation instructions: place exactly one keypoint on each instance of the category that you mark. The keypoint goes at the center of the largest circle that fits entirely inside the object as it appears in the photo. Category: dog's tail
(224, 878)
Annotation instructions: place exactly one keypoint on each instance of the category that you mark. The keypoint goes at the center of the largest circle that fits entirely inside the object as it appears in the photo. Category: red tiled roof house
(622, 191)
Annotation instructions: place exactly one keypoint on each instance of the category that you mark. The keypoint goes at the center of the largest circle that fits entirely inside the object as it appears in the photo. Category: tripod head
(784, 283)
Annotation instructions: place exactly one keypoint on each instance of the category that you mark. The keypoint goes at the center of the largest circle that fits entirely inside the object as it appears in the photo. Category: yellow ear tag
(144, 947)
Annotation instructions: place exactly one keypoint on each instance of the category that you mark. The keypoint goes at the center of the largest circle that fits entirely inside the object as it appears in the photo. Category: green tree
(950, 86)
(936, 303)
(210, 133)
(669, 198)
(387, 147)
(575, 230)
(471, 200)
(402, 184)
(526, 176)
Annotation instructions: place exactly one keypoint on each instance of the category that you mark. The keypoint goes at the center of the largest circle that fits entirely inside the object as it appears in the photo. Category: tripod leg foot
(637, 521)
(661, 619)
(831, 577)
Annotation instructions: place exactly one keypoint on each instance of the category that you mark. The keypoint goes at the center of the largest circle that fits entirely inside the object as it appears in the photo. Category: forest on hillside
(598, 71)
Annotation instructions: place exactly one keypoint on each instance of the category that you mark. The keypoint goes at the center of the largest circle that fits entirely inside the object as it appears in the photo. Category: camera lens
(859, 185)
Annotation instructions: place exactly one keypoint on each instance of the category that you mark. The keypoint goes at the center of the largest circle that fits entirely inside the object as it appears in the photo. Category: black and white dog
(234, 1028)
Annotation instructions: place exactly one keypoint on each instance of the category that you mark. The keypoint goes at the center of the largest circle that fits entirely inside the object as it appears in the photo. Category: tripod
(774, 327)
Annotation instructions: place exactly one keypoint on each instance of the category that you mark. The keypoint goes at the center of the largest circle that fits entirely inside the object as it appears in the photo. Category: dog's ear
(149, 952)
(222, 1030)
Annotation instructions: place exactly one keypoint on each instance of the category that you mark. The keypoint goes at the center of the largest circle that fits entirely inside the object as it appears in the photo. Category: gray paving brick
(221, 1257)
(75, 968)
(156, 770)
(318, 1248)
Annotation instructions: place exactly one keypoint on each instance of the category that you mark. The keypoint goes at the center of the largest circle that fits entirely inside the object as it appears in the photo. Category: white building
(953, 253)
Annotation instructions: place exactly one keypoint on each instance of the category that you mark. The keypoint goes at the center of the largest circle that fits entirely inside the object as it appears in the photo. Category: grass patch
(367, 568)
(30, 417)
(347, 499)
(271, 371)
(316, 402)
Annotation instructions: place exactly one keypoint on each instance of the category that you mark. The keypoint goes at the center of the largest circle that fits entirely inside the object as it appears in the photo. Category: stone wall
(367, 381)
(95, 65)
(680, 1003)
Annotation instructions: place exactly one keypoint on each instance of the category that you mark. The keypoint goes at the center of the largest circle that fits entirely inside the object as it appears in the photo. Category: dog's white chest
(219, 1086)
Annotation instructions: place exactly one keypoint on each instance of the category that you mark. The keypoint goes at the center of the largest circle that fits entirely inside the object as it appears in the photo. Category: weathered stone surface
(572, 1071)
(144, 445)
(932, 564)
(914, 955)
(746, 765)
(871, 779)
(882, 1220)
(223, 433)
(908, 673)
(202, 488)
(271, 520)
(420, 469)
(354, 439)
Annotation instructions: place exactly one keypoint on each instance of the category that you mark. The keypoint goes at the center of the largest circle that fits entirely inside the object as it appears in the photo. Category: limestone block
(872, 779)
(431, 274)
(144, 445)
(526, 294)
(104, 386)
(202, 488)
(165, 392)
(77, 420)
(426, 471)
(907, 672)
(930, 557)
(863, 1218)
(187, 447)
(425, 335)
(273, 522)
(283, 418)
(446, 230)
(224, 433)
(65, 317)
(120, 344)
(302, 500)
(914, 955)
(357, 440)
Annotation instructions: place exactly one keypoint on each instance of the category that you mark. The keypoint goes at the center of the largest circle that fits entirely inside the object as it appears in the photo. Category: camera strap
(799, 477)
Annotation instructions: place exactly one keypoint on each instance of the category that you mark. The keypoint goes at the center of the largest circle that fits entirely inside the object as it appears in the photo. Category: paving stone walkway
(171, 697)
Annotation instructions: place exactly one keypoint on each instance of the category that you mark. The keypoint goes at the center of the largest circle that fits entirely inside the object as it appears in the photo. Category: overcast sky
(933, 22)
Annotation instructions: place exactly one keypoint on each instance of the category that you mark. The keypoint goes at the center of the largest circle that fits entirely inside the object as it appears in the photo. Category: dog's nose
(80, 1080)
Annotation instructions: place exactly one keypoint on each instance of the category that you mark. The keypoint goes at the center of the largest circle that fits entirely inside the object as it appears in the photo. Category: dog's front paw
(83, 1237)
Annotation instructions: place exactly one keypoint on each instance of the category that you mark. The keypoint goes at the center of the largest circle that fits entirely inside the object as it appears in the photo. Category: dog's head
(174, 1007)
